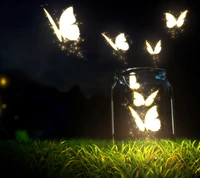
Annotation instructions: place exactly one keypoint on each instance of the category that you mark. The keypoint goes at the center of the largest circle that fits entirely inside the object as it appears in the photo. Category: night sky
(29, 45)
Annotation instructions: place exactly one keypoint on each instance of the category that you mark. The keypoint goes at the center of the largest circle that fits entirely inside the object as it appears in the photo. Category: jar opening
(141, 70)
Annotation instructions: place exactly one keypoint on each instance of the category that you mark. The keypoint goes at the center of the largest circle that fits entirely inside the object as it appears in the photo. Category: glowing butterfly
(156, 50)
(171, 21)
(151, 122)
(139, 99)
(133, 81)
(120, 42)
(68, 30)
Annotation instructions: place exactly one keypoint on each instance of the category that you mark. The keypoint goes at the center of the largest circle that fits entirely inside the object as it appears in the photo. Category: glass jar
(142, 104)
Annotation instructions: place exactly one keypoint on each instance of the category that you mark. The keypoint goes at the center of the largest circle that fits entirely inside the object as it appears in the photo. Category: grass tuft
(97, 158)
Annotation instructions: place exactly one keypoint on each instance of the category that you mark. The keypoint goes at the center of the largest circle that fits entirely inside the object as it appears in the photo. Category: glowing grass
(88, 158)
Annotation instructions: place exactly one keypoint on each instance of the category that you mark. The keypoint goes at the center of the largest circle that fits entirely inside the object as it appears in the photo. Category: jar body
(142, 104)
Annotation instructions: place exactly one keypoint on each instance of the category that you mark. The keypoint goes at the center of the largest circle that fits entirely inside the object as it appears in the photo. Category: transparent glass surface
(142, 104)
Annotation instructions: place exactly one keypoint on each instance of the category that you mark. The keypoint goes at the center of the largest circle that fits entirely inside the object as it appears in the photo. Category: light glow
(4, 106)
(3, 81)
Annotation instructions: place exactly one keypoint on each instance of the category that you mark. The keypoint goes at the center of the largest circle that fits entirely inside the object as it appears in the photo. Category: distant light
(4, 106)
(3, 81)
(16, 117)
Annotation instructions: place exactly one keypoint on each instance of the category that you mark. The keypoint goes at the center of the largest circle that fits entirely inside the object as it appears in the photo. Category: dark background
(60, 95)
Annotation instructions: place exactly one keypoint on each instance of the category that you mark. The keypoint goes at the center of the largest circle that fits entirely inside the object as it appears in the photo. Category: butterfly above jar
(67, 30)
(171, 21)
(120, 42)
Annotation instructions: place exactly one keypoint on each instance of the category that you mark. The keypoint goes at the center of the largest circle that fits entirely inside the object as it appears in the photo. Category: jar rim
(135, 69)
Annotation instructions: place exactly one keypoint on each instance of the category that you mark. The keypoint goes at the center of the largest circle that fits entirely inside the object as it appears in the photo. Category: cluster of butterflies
(151, 121)
(68, 30)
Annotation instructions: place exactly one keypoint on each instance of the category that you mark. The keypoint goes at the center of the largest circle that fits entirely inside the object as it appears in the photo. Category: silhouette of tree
(97, 117)
(76, 101)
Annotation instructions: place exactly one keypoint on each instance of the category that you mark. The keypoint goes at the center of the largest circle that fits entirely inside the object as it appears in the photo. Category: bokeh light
(3, 81)
(16, 117)
(4, 106)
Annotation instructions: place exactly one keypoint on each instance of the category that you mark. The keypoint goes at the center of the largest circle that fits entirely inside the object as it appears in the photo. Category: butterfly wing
(151, 121)
(158, 47)
(161, 76)
(138, 99)
(181, 19)
(138, 121)
(171, 21)
(149, 48)
(68, 16)
(68, 29)
(151, 98)
(121, 43)
(136, 86)
(55, 28)
(110, 42)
